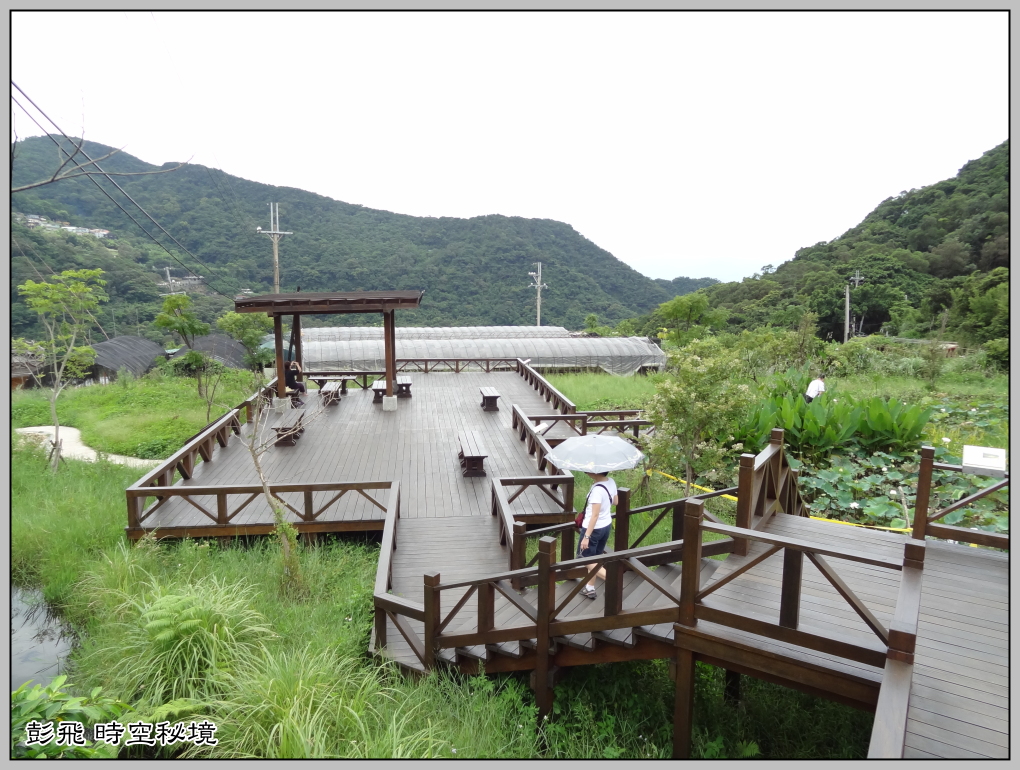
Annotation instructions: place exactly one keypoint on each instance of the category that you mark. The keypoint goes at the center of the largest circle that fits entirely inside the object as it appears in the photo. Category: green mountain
(473, 271)
(941, 247)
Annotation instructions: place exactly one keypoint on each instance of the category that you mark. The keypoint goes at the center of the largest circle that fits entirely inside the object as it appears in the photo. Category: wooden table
(403, 389)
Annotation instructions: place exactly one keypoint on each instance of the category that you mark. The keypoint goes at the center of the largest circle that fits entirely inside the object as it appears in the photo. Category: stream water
(39, 641)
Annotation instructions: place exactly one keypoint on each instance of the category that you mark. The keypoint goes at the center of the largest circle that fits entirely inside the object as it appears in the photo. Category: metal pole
(846, 319)
(276, 264)
(538, 309)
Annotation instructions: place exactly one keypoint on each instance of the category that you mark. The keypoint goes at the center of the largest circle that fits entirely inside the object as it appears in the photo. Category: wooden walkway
(443, 591)
(959, 693)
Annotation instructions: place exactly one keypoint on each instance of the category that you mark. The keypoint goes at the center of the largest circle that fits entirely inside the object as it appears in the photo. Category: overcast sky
(695, 144)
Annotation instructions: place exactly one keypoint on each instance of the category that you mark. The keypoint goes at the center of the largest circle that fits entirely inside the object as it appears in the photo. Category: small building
(22, 369)
(219, 347)
(135, 354)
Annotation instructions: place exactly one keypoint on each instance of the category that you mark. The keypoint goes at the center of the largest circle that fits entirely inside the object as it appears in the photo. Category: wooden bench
(403, 389)
(289, 428)
(489, 398)
(379, 389)
(330, 392)
(341, 380)
(472, 453)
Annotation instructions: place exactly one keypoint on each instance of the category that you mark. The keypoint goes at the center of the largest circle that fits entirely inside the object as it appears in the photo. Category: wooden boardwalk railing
(559, 402)
(925, 524)
(897, 641)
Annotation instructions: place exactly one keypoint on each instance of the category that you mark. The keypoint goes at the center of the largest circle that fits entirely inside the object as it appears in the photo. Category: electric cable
(137, 205)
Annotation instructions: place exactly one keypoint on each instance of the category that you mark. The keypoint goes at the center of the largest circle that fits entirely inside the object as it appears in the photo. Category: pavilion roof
(307, 302)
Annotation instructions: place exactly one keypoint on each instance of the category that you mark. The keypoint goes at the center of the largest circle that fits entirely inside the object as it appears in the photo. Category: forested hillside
(940, 248)
(474, 271)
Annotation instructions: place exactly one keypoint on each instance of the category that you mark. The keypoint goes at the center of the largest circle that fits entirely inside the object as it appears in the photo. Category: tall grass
(148, 417)
(592, 391)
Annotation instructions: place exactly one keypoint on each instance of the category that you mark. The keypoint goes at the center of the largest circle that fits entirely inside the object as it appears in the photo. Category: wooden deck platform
(356, 441)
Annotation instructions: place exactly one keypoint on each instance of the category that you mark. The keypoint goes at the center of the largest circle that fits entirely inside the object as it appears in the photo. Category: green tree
(689, 314)
(696, 404)
(64, 305)
(248, 329)
(178, 317)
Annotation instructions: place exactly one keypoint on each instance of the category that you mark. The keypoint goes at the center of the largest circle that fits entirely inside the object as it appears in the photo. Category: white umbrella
(595, 454)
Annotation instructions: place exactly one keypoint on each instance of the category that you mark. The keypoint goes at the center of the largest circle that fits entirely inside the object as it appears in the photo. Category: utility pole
(275, 234)
(857, 278)
(537, 276)
(170, 285)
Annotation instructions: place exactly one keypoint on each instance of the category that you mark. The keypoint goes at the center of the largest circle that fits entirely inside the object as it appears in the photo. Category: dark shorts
(298, 386)
(596, 543)
(809, 399)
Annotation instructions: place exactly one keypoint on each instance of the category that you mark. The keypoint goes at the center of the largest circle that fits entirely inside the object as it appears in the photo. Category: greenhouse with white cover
(328, 350)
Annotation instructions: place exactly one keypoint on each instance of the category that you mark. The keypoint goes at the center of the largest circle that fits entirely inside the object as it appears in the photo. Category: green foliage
(179, 638)
(998, 353)
(249, 329)
(178, 317)
(474, 271)
(889, 425)
(149, 417)
(695, 405)
(51, 704)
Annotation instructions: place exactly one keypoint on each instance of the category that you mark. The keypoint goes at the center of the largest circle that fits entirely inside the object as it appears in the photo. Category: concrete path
(70, 439)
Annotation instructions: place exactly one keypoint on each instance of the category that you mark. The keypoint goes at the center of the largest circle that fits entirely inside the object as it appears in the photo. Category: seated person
(290, 373)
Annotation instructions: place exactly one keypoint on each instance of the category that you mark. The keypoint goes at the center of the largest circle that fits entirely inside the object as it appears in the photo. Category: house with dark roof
(135, 354)
(219, 347)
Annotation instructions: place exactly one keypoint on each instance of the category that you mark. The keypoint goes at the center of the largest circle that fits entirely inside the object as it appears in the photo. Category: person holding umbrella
(596, 455)
(598, 521)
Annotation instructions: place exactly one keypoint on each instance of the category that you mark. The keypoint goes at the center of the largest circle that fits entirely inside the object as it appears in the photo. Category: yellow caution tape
(704, 489)
(855, 524)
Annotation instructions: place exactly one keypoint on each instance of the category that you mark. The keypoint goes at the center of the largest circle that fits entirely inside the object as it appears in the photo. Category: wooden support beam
(281, 382)
(683, 709)
(690, 577)
(546, 599)
(789, 602)
(431, 596)
(296, 332)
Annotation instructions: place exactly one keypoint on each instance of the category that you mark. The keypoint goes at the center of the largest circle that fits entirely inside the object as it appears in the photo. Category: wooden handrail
(564, 404)
(925, 524)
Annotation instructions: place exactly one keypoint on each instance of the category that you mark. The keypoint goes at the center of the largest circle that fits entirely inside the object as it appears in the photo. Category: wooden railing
(306, 510)
(513, 527)
(583, 423)
(202, 445)
(543, 623)
(766, 485)
(455, 364)
(925, 524)
(890, 727)
(537, 443)
(387, 605)
(559, 402)
(694, 606)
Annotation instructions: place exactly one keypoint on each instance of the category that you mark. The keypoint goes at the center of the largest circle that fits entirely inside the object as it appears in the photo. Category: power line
(163, 229)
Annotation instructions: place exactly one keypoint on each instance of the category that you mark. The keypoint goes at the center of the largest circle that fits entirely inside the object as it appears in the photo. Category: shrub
(998, 353)
(50, 704)
(178, 639)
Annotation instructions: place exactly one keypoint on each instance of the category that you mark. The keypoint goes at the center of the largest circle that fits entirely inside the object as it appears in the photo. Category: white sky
(696, 144)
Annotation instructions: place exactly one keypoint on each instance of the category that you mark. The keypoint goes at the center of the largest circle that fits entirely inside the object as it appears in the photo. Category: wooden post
(247, 411)
(486, 607)
(731, 694)
(134, 509)
(298, 354)
(683, 709)
(221, 509)
(380, 627)
(518, 551)
(923, 493)
(621, 541)
(281, 381)
(567, 549)
(568, 495)
(431, 597)
(546, 601)
(789, 602)
(745, 491)
(390, 354)
(690, 574)
(677, 532)
(309, 507)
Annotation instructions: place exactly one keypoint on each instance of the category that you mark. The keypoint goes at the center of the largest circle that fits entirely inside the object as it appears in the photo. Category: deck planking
(354, 440)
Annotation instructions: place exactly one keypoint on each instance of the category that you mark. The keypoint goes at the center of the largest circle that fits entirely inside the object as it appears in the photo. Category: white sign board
(984, 461)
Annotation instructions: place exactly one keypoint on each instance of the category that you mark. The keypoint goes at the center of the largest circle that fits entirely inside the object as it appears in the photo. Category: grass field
(149, 417)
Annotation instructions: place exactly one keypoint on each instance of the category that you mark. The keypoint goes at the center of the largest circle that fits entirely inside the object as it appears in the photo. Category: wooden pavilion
(298, 304)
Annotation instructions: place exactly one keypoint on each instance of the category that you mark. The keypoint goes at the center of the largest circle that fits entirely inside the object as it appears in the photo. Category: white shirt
(598, 494)
(816, 387)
